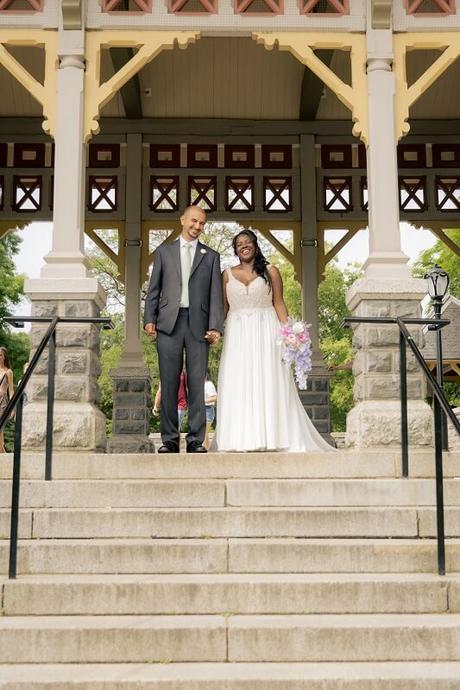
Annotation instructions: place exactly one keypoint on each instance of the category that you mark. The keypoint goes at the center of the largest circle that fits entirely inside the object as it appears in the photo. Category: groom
(184, 311)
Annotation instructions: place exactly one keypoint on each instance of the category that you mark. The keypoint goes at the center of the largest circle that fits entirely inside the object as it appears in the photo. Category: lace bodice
(256, 295)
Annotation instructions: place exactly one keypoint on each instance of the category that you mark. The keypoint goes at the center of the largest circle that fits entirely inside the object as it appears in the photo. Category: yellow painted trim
(265, 227)
(44, 93)
(149, 45)
(406, 95)
(301, 45)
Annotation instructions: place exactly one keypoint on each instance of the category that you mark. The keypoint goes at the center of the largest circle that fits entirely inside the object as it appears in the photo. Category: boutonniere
(203, 251)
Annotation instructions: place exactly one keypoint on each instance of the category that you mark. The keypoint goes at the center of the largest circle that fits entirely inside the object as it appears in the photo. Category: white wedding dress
(258, 407)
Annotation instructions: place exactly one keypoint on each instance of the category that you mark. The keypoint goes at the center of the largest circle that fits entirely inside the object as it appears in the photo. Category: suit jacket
(162, 302)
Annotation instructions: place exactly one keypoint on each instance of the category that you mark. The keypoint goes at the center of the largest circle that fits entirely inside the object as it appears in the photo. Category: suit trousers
(171, 361)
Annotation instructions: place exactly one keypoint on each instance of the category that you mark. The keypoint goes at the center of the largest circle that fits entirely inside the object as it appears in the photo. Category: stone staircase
(231, 572)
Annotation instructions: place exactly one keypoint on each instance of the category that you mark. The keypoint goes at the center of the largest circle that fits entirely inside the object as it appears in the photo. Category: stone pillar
(131, 379)
(375, 419)
(65, 287)
(316, 398)
(387, 288)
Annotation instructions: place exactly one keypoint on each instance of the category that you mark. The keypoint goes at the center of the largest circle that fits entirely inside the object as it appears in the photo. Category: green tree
(336, 342)
(11, 293)
(440, 254)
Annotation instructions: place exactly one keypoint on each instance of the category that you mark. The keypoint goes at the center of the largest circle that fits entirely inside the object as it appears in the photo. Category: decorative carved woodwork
(102, 193)
(330, 7)
(276, 156)
(29, 155)
(12, 6)
(337, 194)
(446, 155)
(448, 193)
(164, 194)
(258, 7)
(104, 155)
(412, 194)
(126, 5)
(202, 156)
(164, 155)
(411, 156)
(202, 192)
(239, 156)
(430, 6)
(193, 6)
(27, 193)
(277, 194)
(239, 192)
(336, 156)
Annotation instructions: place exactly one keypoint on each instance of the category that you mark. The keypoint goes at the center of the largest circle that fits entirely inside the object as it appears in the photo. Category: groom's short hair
(191, 207)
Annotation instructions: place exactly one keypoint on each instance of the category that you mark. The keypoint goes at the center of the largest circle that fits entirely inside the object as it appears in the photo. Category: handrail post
(439, 487)
(50, 405)
(404, 423)
(440, 375)
(12, 568)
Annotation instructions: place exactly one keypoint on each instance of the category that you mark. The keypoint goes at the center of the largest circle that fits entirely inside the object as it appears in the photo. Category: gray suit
(184, 329)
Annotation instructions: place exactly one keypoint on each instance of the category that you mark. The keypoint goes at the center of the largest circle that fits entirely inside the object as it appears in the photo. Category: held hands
(212, 337)
(151, 330)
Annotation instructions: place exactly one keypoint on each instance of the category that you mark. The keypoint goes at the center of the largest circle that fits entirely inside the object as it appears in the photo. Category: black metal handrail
(440, 404)
(17, 403)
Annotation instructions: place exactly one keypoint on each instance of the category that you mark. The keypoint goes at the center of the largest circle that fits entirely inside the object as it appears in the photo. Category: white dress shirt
(193, 245)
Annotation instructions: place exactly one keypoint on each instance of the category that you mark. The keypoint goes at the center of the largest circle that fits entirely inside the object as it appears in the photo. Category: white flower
(297, 327)
(203, 251)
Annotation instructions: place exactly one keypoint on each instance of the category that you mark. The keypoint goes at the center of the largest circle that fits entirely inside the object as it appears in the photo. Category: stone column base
(124, 443)
(131, 411)
(315, 400)
(78, 426)
(378, 423)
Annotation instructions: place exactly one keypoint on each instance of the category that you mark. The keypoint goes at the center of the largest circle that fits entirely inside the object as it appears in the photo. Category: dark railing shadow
(16, 403)
(440, 406)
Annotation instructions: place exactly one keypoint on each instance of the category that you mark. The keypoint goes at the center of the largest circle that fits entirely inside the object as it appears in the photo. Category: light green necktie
(186, 268)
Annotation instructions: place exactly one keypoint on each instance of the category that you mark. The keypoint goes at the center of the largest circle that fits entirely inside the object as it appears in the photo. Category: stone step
(118, 494)
(156, 639)
(359, 637)
(241, 676)
(230, 594)
(61, 523)
(157, 493)
(295, 555)
(344, 463)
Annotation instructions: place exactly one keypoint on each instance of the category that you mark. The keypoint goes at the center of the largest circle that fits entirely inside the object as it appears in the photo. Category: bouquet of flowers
(296, 349)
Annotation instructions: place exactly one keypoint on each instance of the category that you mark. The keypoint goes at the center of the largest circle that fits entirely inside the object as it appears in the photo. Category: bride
(259, 407)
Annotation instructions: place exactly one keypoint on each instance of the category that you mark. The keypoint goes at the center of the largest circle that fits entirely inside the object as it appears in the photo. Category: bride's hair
(260, 262)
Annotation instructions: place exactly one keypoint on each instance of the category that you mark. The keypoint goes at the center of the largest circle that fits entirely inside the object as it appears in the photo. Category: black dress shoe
(168, 447)
(196, 447)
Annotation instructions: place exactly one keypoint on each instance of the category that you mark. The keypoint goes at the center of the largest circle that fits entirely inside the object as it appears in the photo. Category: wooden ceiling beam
(312, 88)
(131, 92)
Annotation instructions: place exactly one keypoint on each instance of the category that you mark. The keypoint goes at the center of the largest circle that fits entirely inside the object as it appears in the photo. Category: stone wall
(375, 420)
(78, 423)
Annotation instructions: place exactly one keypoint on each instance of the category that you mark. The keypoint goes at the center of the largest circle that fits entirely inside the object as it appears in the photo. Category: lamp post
(438, 284)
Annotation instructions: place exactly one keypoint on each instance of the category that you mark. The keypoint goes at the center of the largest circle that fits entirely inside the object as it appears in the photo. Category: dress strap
(229, 273)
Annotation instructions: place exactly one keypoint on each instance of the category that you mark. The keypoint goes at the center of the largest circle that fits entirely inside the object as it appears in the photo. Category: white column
(386, 260)
(66, 259)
